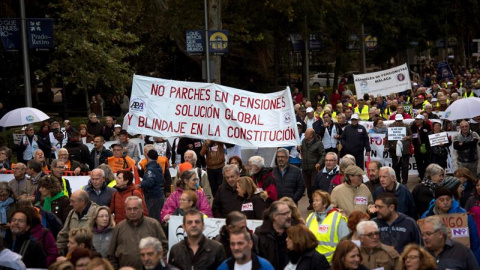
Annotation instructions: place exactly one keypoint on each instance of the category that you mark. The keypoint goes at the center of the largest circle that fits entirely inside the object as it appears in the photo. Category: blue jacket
(152, 183)
(291, 184)
(472, 227)
(406, 204)
(258, 263)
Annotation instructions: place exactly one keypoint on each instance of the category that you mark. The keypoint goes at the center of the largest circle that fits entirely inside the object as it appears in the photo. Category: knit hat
(152, 154)
(452, 183)
(185, 166)
(442, 191)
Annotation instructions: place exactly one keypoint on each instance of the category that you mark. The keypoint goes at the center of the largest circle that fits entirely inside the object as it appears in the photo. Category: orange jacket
(119, 164)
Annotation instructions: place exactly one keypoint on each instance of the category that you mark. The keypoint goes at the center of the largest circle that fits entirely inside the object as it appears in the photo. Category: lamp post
(26, 65)
(207, 42)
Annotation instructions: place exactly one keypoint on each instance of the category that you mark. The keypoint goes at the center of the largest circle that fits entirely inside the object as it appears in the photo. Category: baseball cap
(419, 117)
(398, 117)
(354, 116)
(309, 109)
(117, 126)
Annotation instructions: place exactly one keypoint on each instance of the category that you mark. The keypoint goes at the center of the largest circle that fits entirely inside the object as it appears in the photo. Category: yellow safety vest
(65, 191)
(325, 233)
(471, 94)
(363, 114)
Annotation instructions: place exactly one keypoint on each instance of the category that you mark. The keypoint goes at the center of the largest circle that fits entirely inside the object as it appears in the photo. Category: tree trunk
(87, 101)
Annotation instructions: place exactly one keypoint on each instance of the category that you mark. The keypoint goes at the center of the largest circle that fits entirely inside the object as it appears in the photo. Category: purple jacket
(173, 202)
(45, 237)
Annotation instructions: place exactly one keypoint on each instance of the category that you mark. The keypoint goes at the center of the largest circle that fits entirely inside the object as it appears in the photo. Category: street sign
(39, 33)
(218, 42)
(195, 40)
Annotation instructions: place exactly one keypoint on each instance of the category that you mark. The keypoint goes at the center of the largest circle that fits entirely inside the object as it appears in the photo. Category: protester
(237, 161)
(125, 188)
(421, 144)
(151, 253)
(468, 183)
(355, 141)
(353, 219)
(424, 192)
(235, 221)
(97, 188)
(102, 225)
(253, 203)
(466, 144)
(329, 176)
(54, 200)
(313, 158)
(215, 160)
(152, 185)
(415, 257)
(263, 177)
(302, 253)
(347, 256)
(288, 179)
(226, 200)
(399, 150)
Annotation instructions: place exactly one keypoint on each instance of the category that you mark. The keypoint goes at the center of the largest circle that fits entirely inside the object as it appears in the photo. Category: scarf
(430, 185)
(47, 205)
(382, 130)
(3, 209)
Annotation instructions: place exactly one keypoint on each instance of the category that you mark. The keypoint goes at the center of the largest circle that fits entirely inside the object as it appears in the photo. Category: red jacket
(117, 203)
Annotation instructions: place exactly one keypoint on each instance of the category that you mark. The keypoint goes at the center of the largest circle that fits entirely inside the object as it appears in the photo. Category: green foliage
(93, 44)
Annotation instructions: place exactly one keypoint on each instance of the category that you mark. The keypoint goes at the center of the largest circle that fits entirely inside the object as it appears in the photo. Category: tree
(93, 45)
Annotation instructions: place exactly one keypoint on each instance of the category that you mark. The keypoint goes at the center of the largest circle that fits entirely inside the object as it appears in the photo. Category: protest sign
(396, 133)
(438, 138)
(167, 108)
(457, 227)
(211, 229)
(394, 80)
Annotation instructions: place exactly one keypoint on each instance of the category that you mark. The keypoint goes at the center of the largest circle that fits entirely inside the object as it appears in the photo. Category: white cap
(117, 125)
(449, 83)
(398, 117)
(419, 117)
(415, 84)
(309, 109)
(354, 116)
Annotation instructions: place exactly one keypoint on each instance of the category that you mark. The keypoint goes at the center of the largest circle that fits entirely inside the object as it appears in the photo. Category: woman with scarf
(468, 183)
(424, 192)
(326, 223)
(28, 145)
(302, 255)
(125, 188)
(378, 127)
(53, 198)
(5, 155)
(7, 205)
(102, 225)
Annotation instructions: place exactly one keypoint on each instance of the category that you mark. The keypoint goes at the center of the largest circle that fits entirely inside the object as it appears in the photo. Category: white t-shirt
(247, 266)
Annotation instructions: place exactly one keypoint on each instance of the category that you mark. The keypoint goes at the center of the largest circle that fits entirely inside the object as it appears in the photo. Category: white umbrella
(463, 109)
(23, 116)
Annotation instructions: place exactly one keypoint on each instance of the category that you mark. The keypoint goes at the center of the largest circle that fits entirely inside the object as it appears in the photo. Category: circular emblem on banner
(400, 77)
(29, 118)
(138, 105)
(287, 118)
(448, 114)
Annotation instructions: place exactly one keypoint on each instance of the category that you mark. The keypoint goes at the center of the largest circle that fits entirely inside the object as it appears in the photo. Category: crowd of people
(362, 215)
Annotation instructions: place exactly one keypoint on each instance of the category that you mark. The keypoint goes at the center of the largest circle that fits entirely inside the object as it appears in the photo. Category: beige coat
(382, 256)
(350, 199)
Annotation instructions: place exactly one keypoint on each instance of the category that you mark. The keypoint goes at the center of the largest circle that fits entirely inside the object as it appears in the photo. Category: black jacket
(312, 260)
(354, 139)
(78, 151)
(95, 129)
(253, 207)
(210, 255)
(152, 184)
(226, 200)
(291, 184)
(107, 132)
(268, 245)
(104, 154)
(33, 254)
(224, 239)
(183, 147)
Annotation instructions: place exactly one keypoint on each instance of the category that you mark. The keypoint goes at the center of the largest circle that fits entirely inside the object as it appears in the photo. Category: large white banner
(167, 108)
(383, 82)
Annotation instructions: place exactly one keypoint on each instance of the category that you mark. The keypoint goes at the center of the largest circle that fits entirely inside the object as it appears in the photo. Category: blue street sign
(195, 40)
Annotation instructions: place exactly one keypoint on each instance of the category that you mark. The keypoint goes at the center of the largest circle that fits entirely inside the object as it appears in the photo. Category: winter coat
(33, 256)
(152, 184)
(392, 145)
(75, 221)
(102, 199)
(312, 260)
(350, 199)
(101, 240)
(472, 227)
(325, 180)
(60, 207)
(312, 154)
(224, 238)
(253, 207)
(173, 202)
(422, 196)
(78, 151)
(94, 128)
(124, 250)
(467, 152)
(215, 157)
(226, 200)
(266, 181)
(420, 136)
(210, 255)
(291, 184)
(354, 139)
(46, 239)
(268, 243)
(406, 204)
(117, 203)
(382, 256)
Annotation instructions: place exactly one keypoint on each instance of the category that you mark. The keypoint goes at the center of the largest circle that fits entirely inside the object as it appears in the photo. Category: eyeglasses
(194, 180)
(372, 234)
(428, 234)
(412, 257)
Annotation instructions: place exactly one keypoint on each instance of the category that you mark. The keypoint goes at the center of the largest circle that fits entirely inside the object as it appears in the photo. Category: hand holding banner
(438, 138)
